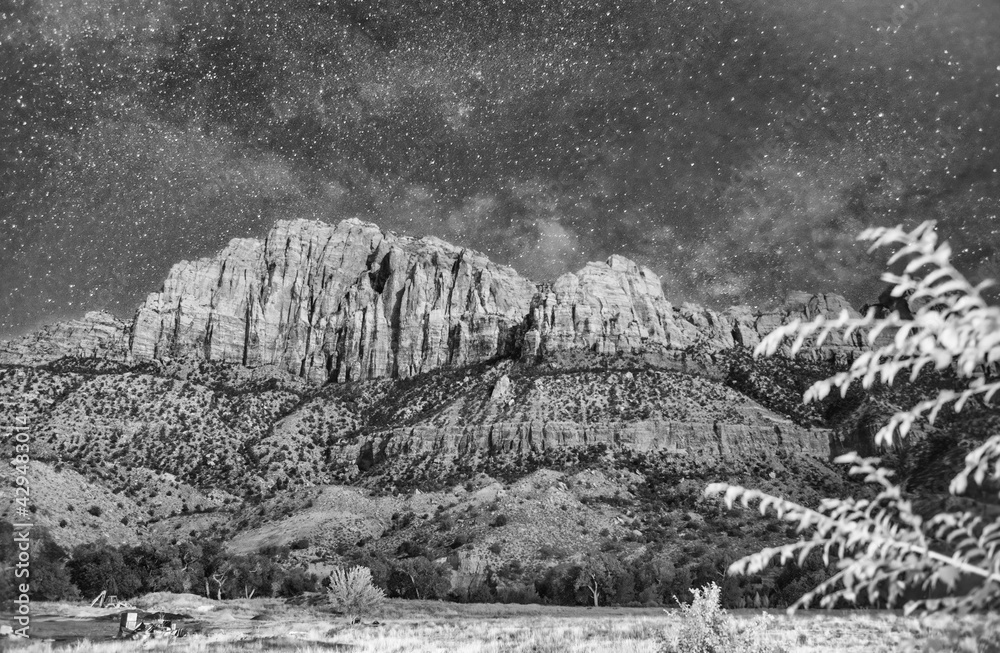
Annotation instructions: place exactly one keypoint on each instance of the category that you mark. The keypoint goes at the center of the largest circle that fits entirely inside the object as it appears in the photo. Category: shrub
(95, 511)
(885, 547)
(352, 592)
(547, 551)
(707, 628)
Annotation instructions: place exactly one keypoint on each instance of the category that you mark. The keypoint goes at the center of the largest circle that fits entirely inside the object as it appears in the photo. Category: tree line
(203, 567)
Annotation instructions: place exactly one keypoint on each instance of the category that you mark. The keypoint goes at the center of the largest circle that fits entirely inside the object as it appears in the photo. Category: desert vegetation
(433, 627)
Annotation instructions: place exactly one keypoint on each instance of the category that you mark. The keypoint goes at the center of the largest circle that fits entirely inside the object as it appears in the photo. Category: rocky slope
(440, 361)
(351, 392)
(351, 302)
(98, 335)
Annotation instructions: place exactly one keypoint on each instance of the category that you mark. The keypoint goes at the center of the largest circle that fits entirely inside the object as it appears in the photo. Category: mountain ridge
(463, 413)
(352, 302)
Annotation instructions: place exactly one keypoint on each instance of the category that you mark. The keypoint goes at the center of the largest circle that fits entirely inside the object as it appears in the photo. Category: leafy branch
(883, 547)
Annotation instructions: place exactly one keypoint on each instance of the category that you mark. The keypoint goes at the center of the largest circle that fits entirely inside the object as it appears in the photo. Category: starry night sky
(735, 147)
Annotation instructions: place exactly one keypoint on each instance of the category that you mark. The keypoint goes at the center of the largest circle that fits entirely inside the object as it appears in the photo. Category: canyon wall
(343, 303)
(350, 302)
(95, 335)
(717, 441)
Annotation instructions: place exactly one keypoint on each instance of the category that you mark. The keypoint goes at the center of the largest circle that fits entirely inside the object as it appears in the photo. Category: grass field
(428, 626)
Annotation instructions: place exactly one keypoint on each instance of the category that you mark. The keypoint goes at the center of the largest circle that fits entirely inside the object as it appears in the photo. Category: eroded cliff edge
(352, 302)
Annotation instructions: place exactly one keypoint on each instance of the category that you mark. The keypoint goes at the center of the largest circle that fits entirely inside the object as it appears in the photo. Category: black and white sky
(736, 147)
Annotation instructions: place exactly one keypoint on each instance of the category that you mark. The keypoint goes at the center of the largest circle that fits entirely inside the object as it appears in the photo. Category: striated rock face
(97, 335)
(344, 302)
(804, 306)
(716, 441)
(612, 308)
(620, 308)
(350, 302)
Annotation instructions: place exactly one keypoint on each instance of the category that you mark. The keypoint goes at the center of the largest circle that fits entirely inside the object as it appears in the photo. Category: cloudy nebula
(734, 146)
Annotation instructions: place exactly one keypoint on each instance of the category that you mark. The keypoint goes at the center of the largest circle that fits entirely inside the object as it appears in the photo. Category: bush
(707, 628)
(95, 511)
(352, 592)
(547, 551)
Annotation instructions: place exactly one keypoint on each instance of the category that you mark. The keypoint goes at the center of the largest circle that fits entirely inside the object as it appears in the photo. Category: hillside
(590, 426)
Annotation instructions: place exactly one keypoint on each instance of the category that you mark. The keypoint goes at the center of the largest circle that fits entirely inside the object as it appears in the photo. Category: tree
(419, 578)
(254, 575)
(557, 584)
(50, 580)
(297, 581)
(182, 571)
(352, 592)
(146, 560)
(885, 547)
(97, 567)
(597, 576)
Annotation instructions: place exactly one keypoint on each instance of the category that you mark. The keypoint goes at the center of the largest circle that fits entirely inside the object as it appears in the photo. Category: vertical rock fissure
(394, 313)
(175, 339)
(207, 344)
(246, 331)
(309, 332)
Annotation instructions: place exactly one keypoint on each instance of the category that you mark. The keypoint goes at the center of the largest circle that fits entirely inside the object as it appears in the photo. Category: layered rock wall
(619, 308)
(716, 441)
(344, 303)
(97, 335)
(349, 302)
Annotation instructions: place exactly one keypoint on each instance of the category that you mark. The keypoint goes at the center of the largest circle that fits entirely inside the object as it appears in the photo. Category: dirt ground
(433, 626)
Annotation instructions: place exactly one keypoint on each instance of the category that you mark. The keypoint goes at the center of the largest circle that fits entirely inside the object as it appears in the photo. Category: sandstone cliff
(342, 302)
(97, 335)
(351, 302)
(705, 441)
(618, 307)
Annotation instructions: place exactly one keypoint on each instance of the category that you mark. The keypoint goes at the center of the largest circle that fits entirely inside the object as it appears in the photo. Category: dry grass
(431, 627)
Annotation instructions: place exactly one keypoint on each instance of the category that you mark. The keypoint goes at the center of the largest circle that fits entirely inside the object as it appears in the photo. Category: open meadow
(432, 626)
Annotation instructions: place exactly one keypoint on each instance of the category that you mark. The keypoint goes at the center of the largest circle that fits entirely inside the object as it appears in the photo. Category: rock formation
(611, 308)
(712, 441)
(97, 335)
(350, 302)
(344, 302)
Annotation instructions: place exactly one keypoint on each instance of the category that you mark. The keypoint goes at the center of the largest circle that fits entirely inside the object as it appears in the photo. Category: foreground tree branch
(883, 547)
